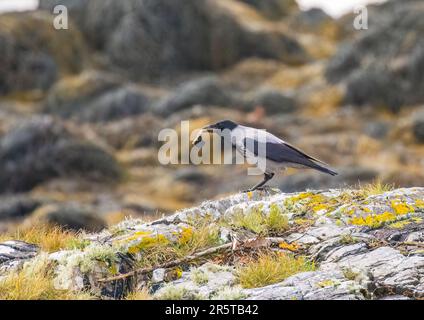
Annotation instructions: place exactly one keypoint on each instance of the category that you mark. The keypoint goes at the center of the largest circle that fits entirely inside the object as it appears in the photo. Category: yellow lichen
(289, 246)
(401, 208)
(148, 242)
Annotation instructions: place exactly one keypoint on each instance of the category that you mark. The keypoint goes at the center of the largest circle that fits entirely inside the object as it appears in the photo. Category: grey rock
(25, 148)
(115, 105)
(75, 218)
(310, 180)
(274, 101)
(317, 285)
(153, 39)
(273, 9)
(73, 96)
(381, 67)
(418, 127)
(14, 253)
(158, 275)
(203, 91)
(16, 207)
(30, 57)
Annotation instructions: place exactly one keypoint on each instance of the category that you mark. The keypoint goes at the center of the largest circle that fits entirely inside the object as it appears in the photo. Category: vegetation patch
(260, 222)
(35, 282)
(270, 268)
(48, 238)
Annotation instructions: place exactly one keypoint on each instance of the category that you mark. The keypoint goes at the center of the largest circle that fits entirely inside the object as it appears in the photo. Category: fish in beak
(199, 139)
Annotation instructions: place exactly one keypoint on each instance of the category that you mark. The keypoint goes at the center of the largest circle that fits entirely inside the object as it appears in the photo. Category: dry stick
(195, 256)
(412, 244)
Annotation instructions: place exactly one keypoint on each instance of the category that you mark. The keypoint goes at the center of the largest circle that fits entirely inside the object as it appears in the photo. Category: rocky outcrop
(43, 148)
(147, 39)
(364, 245)
(31, 55)
(381, 67)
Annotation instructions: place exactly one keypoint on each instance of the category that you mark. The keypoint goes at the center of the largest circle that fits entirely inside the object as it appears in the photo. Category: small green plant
(271, 268)
(260, 222)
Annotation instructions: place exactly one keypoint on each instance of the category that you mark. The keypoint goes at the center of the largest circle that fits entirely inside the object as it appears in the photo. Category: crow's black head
(222, 125)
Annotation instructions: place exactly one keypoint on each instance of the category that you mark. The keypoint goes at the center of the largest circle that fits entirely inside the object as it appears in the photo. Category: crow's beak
(210, 129)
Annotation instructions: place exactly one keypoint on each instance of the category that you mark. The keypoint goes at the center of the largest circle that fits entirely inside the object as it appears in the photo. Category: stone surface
(25, 148)
(365, 246)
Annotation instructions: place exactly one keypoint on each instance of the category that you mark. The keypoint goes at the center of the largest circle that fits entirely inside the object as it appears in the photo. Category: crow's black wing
(284, 153)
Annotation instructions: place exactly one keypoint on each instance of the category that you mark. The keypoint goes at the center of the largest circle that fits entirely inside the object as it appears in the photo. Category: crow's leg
(268, 176)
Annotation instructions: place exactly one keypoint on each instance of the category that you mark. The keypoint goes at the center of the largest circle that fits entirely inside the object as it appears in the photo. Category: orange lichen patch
(289, 246)
(401, 208)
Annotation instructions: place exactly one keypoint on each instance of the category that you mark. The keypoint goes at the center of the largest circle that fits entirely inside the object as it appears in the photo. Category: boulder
(43, 148)
(203, 91)
(71, 95)
(14, 253)
(31, 58)
(418, 127)
(154, 38)
(380, 67)
(273, 9)
(16, 207)
(274, 101)
(71, 217)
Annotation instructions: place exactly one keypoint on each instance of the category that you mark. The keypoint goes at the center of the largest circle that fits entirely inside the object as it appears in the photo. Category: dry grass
(142, 294)
(270, 268)
(376, 188)
(48, 238)
(35, 282)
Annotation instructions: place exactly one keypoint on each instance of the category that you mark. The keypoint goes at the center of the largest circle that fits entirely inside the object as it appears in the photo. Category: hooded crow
(256, 143)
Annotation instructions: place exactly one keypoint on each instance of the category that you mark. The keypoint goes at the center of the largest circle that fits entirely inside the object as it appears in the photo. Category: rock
(14, 253)
(16, 207)
(347, 233)
(418, 127)
(149, 39)
(274, 101)
(273, 9)
(121, 103)
(125, 133)
(203, 91)
(347, 176)
(158, 275)
(380, 67)
(71, 217)
(31, 58)
(331, 285)
(72, 95)
(191, 176)
(24, 150)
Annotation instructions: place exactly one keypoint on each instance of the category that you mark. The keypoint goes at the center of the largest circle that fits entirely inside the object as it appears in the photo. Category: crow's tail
(324, 169)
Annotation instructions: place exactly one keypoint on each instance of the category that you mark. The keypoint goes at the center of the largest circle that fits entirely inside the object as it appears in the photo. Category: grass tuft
(270, 268)
(35, 282)
(48, 238)
(258, 221)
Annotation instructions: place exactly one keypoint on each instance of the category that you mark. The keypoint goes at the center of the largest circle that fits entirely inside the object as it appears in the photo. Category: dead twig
(250, 243)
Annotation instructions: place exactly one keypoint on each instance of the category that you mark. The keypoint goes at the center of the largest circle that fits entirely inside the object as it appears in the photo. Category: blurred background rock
(80, 109)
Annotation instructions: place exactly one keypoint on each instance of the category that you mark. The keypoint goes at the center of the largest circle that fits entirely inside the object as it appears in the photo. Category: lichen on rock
(379, 258)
